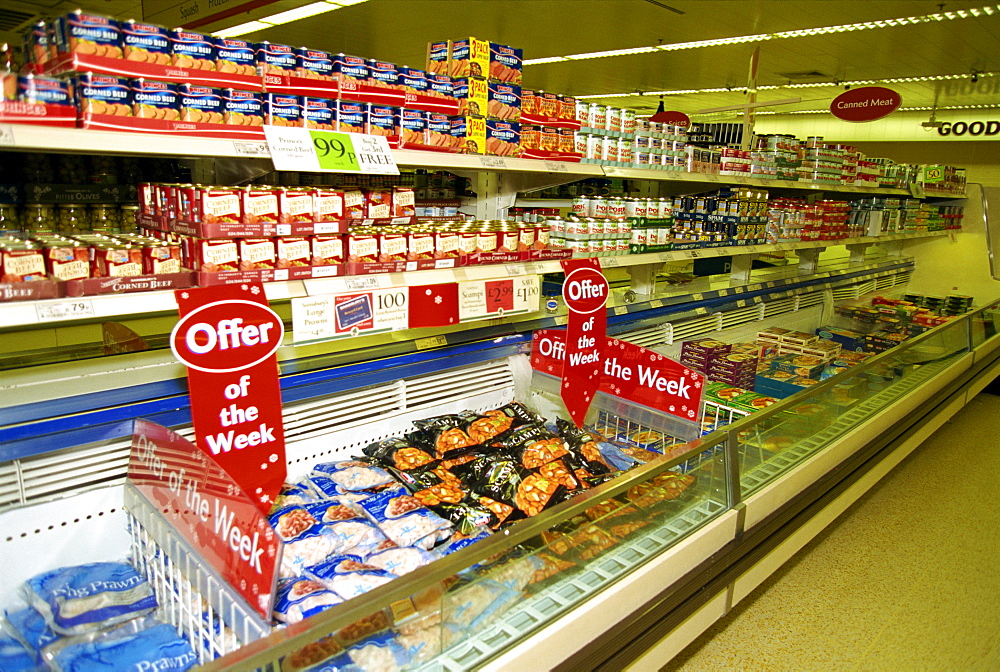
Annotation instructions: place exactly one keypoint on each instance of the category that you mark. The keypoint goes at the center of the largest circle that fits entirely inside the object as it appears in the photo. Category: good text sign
(629, 372)
(201, 502)
(227, 337)
(586, 292)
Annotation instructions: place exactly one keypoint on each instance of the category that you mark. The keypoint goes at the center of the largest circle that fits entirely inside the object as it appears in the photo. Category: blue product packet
(348, 576)
(29, 627)
(380, 651)
(301, 598)
(400, 561)
(78, 599)
(402, 518)
(353, 475)
(157, 647)
(15, 658)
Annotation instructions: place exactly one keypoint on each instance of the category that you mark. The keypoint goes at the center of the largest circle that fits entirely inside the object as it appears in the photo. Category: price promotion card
(308, 150)
(337, 316)
(483, 299)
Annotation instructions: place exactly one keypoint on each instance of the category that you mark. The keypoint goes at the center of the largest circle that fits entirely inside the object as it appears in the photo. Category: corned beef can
(159, 257)
(257, 253)
(114, 260)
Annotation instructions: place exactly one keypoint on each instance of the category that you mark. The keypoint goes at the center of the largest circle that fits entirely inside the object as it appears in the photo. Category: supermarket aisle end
(906, 579)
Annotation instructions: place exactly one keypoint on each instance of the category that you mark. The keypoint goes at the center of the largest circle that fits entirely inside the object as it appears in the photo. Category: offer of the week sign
(227, 337)
(205, 507)
(629, 372)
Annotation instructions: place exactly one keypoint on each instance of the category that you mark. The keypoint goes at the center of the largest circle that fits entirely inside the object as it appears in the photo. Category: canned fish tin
(145, 43)
(43, 90)
(154, 100)
(237, 57)
(195, 51)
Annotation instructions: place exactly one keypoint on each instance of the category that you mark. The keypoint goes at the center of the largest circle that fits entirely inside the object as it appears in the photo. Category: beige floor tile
(907, 579)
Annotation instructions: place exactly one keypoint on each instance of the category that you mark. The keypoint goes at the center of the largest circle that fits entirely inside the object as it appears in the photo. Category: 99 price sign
(308, 150)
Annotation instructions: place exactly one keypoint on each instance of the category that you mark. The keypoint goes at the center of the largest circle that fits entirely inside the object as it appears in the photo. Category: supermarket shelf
(55, 139)
(27, 313)
(681, 176)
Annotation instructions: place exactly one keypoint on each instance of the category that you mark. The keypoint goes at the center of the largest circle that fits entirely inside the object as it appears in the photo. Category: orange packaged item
(403, 202)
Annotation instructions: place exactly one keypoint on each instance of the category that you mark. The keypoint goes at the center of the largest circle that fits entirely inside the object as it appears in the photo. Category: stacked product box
(731, 214)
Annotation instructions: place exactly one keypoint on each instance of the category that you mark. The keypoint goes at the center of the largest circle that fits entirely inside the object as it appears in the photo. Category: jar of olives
(38, 218)
(127, 216)
(10, 224)
(104, 218)
(73, 218)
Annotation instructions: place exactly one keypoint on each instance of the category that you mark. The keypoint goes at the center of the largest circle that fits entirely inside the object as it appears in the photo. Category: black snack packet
(585, 443)
(433, 485)
(398, 453)
(443, 435)
(533, 446)
(537, 492)
(468, 517)
(497, 478)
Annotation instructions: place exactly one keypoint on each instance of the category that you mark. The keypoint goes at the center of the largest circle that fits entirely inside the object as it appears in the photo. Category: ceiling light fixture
(811, 85)
(288, 16)
(740, 39)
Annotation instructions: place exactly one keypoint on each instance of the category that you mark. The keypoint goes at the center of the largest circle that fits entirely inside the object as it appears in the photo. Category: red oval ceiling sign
(865, 104)
(672, 118)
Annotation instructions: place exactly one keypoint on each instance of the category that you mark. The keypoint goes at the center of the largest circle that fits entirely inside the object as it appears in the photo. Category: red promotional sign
(433, 305)
(227, 337)
(586, 292)
(201, 502)
(630, 372)
(673, 118)
(865, 104)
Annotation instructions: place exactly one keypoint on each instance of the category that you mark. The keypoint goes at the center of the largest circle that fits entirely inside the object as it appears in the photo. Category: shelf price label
(484, 299)
(304, 149)
(350, 314)
(64, 310)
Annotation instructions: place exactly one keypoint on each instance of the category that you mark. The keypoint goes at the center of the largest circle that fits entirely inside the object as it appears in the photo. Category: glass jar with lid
(10, 223)
(38, 218)
(126, 218)
(104, 217)
(73, 218)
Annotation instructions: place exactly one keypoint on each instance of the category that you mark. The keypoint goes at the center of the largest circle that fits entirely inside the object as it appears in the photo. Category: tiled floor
(906, 579)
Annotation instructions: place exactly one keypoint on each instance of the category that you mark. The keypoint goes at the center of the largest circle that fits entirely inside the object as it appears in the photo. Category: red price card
(499, 295)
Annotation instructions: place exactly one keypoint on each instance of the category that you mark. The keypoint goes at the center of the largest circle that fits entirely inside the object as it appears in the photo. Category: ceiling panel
(399, 30)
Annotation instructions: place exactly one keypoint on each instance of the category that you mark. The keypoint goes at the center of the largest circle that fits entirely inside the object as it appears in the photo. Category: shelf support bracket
(740, 269)
(808, 260)
(857, 252)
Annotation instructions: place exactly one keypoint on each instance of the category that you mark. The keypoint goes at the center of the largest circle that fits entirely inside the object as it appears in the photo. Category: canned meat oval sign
(865, 104)
(227, 336)
(585, 290)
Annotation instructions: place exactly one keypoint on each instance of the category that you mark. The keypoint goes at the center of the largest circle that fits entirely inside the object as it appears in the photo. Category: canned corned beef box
(84, 33)
(237, 57)
(145, 43)
(381, 120)
(242, 108)
(314, 64)
(503, 138)
(200, 104)
(154, 100)
(102, 94)
(350, 117)
(276, 59)
(195, 51)
(382, 74)
(319, 113)
(350, 69)
(282, 110)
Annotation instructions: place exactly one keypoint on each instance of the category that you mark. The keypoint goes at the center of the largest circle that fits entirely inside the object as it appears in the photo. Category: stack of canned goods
(592, 237)
(57, 257)
(444, 240)
(605, 207)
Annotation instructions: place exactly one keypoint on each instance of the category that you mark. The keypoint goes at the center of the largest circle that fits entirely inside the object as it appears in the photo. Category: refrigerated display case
(626, 551)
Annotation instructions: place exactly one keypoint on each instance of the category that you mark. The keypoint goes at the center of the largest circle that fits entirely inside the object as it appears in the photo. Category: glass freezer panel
(776, 440)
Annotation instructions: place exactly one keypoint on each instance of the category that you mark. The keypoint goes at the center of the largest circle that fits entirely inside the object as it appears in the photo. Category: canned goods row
(576, 226)
(50, 256)
(443, 240)
(606, 118)
(605, 208)
(596, 247)
(545, 104)
(272, 205)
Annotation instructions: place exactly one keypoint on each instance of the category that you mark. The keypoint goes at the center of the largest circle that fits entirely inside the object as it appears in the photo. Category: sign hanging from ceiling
(672, 118)
(865, 104)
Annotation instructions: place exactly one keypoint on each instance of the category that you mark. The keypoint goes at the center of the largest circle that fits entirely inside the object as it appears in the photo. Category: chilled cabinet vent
(779, 307)
(808, 300)
(648, 337)
(846, 293)
(701, 326)
(53, 475)
(734, 318)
